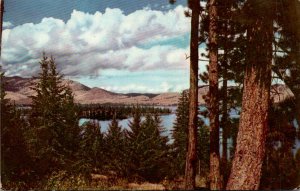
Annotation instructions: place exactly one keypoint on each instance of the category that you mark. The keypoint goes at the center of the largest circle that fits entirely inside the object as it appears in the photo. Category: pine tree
(180, 134)
(249, 154)
(287, 48)
(213, 107)
(92, 149)
(135, 124)
(179, 145)
(153, 151)
(115, 144)
(203, 150)
(15, 159)
(148, 149)
(54, 133)
(133, 138)
(278, 171)
(191, 158)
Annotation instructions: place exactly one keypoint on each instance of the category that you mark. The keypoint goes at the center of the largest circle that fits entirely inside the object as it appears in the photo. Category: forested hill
(18, 89)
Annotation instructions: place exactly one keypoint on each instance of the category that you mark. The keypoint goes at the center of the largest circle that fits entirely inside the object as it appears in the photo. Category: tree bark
(1, 23)
(224, 120)
(191, 158)
(250, 149)
(215, 179)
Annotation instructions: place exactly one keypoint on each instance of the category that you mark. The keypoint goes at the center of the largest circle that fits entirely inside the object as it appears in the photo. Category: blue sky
(121, 46)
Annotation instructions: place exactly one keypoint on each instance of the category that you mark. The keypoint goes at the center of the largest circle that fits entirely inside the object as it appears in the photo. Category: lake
(168, 121)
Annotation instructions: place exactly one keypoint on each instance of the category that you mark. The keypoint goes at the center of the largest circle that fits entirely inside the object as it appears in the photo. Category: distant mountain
(18, 89)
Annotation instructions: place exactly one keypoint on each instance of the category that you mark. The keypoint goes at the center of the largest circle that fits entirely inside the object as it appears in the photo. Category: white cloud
(88, 43)
(142, 88)
(7, 25)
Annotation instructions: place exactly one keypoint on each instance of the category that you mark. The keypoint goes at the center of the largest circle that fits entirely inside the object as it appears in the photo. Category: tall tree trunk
(191, 158)
(250, 149)
(224, 120)
(1, 23)
(215, 178)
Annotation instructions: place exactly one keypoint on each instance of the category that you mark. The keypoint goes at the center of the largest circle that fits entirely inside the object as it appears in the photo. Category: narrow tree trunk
(191, 158)
(250, 149)
(224, 120)
(215, 179)
(1, 23)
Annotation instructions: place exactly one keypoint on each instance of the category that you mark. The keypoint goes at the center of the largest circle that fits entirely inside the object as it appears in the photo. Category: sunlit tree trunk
(191, 158)
(250, 149)
(215, 178)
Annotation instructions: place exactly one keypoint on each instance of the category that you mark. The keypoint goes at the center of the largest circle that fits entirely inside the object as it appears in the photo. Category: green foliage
(15, 160)
(115, 145)
(153, 151)
(106, 112)
(180, 128)
(92, 149)
(54, 131)
(179, 146)
(203, 150)
(62, 180)
(148, 149)
(279, 168)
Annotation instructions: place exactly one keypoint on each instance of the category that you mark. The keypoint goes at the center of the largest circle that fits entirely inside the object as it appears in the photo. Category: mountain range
(18, 89)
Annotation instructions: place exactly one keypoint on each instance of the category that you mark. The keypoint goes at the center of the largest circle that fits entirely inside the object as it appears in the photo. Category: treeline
(108, 111)
(47, 149)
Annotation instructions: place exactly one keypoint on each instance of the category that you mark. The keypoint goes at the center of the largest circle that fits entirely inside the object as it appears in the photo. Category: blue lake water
(168, 121)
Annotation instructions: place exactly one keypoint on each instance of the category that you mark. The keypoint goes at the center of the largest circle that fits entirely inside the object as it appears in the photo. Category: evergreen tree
(92, 148)
(135, 124)
(115, 144)
(287, 48)
(54, 131)
(153, 151)
(15, 160)
(180, 134)
(279, 170)
(222, 30)
(191, 157)
(179, 145)
(133, 139)
(203, 151)
(148, 149)
(250, 150)
(213, 96)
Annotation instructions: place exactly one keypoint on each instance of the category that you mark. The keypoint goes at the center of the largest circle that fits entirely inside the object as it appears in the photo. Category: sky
(121, 46)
